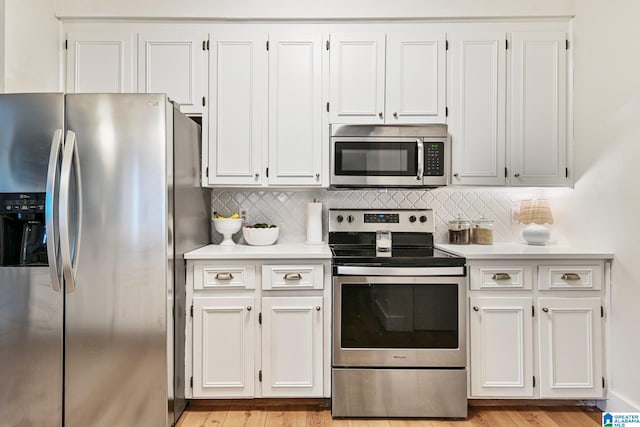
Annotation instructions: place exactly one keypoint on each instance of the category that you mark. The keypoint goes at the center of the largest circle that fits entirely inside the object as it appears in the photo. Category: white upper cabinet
(538, 117)
(477, 104)
(387, 78)
(100, 62)
(508, 108)
(357, 65)
(237, 124)
(295, 110)
(174, 62)
(415, 89)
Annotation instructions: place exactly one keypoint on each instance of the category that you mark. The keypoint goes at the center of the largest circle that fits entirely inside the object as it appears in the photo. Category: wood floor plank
(302, 416)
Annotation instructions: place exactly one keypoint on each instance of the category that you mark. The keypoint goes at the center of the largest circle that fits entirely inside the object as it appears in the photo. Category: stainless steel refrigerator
(99, 200)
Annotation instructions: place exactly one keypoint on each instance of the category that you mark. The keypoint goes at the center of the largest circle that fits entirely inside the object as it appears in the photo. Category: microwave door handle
(51, 211)
(420, 159)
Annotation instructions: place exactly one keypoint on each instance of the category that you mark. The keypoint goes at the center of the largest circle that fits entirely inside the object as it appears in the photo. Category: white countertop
(523, 251)
(279, 250)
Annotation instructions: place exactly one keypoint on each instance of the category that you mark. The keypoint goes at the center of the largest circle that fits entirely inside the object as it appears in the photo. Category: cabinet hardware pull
(476, 308)
(545, 309)
(517, 175)
(249, 308)
(317, 176)
(380, 114)
(224, 276)
(257, 174)
(395, 114)
(570, 276)
(292, 276)
(501, 276)
(456, 174)
(317, 308)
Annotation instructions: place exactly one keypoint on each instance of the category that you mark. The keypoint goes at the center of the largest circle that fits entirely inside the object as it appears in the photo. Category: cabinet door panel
(357, 67)
(477, 107)
(173, 63)
(501, 347)
(538, 109)
(223, 347)
(236, 132)
(570, 348)
(100, 62)
(295, 115)
(415, 90)
(292, 347)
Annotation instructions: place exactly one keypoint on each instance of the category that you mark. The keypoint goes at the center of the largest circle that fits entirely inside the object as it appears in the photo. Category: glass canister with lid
(459, 231)
(482, 231)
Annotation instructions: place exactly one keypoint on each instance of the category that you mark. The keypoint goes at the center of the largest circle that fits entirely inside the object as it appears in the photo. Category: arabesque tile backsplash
(288, 209)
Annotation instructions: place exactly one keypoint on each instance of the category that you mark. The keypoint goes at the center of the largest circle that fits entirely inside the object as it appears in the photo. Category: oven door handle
(420, 159)
(350, 270)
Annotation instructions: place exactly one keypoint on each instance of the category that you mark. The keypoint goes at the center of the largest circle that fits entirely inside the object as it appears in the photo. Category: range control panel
(16, 203)
(398, 220)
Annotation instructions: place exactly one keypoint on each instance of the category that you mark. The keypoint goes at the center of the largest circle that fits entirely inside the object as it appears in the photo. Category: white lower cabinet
(533, 341)
(248, 338)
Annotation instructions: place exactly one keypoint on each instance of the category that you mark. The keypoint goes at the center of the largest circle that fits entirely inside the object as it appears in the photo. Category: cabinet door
(292, 347)
(476, 120)
(538, 109)
(501, 338)
(223, 347)
(415, 89)
(571, 364)
(295, 110)
(237, 122)
(357, 66)
(174, 63)
(100, 62)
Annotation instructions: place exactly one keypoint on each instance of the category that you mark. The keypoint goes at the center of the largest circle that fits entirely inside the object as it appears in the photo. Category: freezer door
(30, 348)
(27, 123)
(116, 360)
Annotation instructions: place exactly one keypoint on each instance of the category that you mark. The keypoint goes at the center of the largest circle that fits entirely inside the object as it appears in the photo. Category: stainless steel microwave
(388, 156)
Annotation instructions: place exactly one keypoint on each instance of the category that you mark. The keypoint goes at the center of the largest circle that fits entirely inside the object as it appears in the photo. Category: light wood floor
(235, 415)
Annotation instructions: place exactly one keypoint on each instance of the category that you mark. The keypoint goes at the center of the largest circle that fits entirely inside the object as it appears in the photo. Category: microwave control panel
(433, 159)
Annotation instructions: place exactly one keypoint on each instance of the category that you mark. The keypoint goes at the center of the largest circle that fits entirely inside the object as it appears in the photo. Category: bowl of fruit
(227, 226)
(260, 234)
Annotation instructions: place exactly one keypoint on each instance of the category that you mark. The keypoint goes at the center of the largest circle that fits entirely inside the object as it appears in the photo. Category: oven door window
(399, 316)
(375, 158)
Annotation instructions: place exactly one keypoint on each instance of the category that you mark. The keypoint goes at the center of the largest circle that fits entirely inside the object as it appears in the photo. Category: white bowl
(227, 227)
(260, 236)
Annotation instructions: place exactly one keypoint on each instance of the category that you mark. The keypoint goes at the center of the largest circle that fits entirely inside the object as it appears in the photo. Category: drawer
(292, 277)
(562, 277)
(224, 276)
(517, 277)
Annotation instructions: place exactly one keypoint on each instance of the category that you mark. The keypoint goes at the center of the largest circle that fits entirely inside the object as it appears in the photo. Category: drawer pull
(292, 276)
(224, 276)
(476, 308)
(501, 276)
(570, 276)
(545, 309)
(317, 308)
(248, 308)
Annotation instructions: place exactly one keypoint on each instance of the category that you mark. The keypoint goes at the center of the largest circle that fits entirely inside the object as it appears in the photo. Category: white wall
(603, 208)
(255, 9)
(31, 46)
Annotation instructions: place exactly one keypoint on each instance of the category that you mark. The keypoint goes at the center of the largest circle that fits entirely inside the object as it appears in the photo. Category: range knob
(339, 218)
(350, 218)
(412, 218)
(423, 218)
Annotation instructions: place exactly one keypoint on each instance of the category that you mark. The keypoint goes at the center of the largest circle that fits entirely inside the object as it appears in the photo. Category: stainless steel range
(398, 317)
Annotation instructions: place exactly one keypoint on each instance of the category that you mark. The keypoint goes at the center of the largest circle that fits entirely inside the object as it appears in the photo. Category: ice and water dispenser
(23, 236)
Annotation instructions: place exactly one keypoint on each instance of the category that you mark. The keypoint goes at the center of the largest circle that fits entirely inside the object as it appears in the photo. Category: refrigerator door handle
(51, 212)
(70, 262)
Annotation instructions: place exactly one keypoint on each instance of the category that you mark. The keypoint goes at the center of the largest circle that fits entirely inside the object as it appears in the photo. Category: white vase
(536, 234)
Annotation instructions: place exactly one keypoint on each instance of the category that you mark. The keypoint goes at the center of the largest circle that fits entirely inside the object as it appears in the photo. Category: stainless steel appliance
(100, 199)
(406, 156)
(398, 317)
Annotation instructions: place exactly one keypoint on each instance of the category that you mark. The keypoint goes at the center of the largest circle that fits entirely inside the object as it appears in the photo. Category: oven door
(377, 162)
(399, 321)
